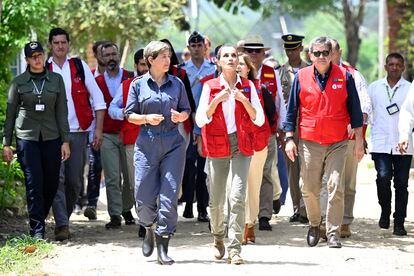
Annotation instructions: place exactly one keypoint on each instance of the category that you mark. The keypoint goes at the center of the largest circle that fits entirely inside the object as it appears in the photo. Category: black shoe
(264, 224)
(90, 212)
(148, 243)
(162, 250)
(399, 230)
(294, 217)
(313, 235)
(276, 206)
(188, 211)
(384, 221)
(303, 219)
(129, 219)
(333, 242)
(115, 223)
(141, 231)
(203, 217)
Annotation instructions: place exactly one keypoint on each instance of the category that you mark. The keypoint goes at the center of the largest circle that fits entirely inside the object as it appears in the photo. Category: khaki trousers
(253, 185)
(318, 162)
(128, 191)
(349, 181)
(219, 168)
(293, 179)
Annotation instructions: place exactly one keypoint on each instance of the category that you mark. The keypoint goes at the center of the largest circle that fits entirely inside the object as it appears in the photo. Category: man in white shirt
(80, 87)
(387, 97)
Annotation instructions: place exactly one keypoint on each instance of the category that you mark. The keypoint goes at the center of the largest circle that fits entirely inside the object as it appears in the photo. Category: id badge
(392, 109)
(40, 107)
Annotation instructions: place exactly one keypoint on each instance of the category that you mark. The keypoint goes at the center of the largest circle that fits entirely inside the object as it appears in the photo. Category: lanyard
(36, 90)
(390, 96)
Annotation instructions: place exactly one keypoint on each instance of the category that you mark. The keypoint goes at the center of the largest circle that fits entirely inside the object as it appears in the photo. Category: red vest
(262, 133)
(214, 135)
(181, 74)
(206, 78)
(268, 78)
(80, 97)
(323, 117)
(110, 125)
(129, 132)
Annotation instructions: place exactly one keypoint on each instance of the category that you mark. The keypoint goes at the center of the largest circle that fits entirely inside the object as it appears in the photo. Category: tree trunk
(353, 15)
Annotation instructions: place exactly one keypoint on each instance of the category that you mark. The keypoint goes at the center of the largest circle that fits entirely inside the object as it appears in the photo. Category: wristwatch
(288, 138)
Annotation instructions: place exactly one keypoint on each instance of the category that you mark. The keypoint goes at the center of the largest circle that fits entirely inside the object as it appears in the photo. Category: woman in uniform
(37, 108)
(228, 110)
(158, 102)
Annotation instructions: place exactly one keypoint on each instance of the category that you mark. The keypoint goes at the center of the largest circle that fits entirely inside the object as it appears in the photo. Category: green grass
(14, 259)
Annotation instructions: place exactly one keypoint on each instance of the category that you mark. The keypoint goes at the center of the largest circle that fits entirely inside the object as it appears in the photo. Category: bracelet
(288, 138)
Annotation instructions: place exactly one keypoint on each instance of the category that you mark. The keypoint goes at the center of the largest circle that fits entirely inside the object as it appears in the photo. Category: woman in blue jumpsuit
(158, 102)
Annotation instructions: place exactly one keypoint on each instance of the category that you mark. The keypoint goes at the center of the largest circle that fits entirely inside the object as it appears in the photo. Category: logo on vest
(77, 79)
(336, 86)
(246, 90)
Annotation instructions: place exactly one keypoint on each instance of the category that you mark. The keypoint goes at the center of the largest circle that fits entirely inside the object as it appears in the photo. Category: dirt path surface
(93, 250)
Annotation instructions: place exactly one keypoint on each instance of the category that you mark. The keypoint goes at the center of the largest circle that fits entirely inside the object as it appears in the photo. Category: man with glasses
(113, 155)
(270, 190)
(293, 48)
(325, 98)
(194, 176)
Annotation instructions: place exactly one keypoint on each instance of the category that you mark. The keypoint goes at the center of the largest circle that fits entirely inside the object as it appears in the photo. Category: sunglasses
(319, 53)
(250, 51)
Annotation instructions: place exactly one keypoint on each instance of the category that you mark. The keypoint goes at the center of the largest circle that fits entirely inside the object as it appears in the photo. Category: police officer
(293, 48)
(158, 102)
(36, 107)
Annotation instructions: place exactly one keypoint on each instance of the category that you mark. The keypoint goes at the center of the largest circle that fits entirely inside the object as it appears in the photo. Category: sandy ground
(93, 250)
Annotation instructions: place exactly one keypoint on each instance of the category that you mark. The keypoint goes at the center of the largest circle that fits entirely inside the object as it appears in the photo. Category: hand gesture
(7, 154)
(222, 96)
(154, 119)
(291, 150)
(176, 116)
(402, 146)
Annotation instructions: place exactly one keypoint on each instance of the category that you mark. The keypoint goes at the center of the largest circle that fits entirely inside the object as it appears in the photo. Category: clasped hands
(224, 94)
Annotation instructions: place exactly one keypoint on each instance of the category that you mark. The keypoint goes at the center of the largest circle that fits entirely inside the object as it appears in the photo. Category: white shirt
(96, 96)
(228, 106)
(406, 122)
(361, 87)
(279, 102)
(384, 127)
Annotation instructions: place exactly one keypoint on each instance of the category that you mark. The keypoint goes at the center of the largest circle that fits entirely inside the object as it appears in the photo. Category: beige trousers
(319, 162)
(253, 185)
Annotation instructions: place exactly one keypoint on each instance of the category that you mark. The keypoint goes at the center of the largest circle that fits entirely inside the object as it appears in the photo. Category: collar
(225, 84)
(148, 78)
(289, 67)
(26, 76)
(191, 64)
(50, 60)
(327, 74)
(120, 72)
(398, 84)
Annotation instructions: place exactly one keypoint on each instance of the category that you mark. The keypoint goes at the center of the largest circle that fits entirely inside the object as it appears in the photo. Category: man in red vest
(325, 99)
(80, 88)
(129, 132)
(270, 190)
(113, 155)
(351, 164)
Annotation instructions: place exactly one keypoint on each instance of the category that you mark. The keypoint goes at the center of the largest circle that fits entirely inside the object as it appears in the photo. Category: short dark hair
(138, 55)
(97, 44)
(394, 55)
(321, 40)
(108, 44)
(57, 31)
(337, 47)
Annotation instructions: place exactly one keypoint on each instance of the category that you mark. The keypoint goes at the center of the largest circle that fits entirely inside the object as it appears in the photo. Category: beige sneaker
(235, 259)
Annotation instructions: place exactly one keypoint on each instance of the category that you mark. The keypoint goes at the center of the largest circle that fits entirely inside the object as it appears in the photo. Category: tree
(352, 12)
(115, 20)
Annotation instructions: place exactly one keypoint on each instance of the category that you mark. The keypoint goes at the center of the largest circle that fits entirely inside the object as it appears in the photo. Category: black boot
(148, 243)
(162, 250)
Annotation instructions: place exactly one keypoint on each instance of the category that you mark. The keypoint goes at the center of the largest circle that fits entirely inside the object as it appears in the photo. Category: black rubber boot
(148, 243)
(162, 250)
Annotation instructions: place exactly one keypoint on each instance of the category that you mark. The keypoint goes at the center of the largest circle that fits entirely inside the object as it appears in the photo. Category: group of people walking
(229, 129)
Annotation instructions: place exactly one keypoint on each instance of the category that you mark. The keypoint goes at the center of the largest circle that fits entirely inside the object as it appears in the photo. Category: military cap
(195, 37)
(292, 41)
(32, 47)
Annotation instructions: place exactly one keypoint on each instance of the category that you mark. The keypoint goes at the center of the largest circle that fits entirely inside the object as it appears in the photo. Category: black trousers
(194, 179)
(396, 167)
(40, 162)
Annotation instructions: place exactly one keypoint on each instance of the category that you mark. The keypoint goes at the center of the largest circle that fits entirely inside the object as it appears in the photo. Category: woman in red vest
(261, 138)
(228, 110)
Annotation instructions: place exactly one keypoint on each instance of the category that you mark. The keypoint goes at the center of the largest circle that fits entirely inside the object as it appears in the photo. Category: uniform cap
(195, 37)
(292, 41)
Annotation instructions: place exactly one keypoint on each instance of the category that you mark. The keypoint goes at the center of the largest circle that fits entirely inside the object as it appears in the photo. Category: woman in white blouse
(228, 108)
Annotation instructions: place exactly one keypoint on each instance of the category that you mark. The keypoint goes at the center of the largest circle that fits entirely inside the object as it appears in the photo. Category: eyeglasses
(250, 50)
(323, 53)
